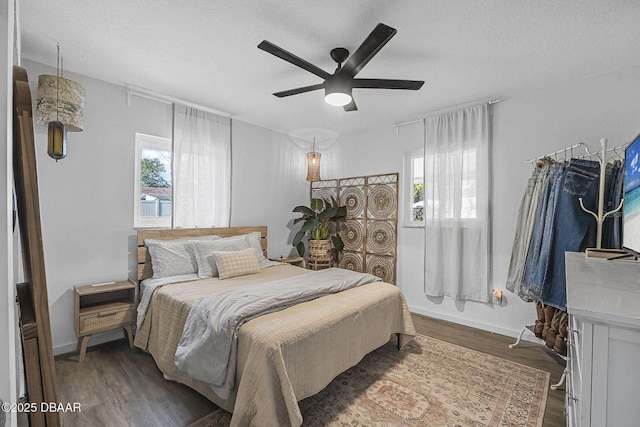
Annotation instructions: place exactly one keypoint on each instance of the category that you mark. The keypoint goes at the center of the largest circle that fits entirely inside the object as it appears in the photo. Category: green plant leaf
(334, 201)
(322, 231)
(317, 205)
(337, 242)
(304, 210)
(297, 220)
(342, 212)
(298, 237)
(300, 248)
(328, 213)
(312, 222)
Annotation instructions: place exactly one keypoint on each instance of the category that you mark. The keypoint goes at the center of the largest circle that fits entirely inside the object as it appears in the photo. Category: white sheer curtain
(457, 204)
(201, 168)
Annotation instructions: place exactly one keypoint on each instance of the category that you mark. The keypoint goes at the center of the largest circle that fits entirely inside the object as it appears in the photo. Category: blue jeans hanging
(570, 226)
(531, 288)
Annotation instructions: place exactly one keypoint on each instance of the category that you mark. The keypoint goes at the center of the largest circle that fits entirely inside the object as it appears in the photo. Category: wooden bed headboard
(144, 259)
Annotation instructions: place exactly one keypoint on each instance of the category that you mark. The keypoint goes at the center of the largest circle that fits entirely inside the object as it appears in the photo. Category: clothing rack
(599, 217)
(602, 159)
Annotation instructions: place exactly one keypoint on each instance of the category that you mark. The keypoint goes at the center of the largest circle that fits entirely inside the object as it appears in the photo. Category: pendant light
(60, 107)
(313, 164)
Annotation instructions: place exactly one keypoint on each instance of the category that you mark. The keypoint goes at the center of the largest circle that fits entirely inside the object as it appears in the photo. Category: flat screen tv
(631, 207)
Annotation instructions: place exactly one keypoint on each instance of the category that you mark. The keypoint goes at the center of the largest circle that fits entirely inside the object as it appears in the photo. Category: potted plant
(321, 221)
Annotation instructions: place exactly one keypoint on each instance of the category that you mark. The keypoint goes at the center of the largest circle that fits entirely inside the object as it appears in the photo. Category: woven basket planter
(319, 248)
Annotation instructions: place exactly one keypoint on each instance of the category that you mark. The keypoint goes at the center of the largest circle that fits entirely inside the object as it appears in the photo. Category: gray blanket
(207, 349)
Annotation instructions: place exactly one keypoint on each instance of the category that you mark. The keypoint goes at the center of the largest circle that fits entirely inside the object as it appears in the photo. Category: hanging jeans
(534, 286)
(531, 289)
(609, 183)
(570, 225)
(613, 191)
(616, 218)
(524, 227)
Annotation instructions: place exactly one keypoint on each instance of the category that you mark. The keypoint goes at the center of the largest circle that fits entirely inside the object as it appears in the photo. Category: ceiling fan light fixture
(337, 92)
(337, 99)
(338, 86)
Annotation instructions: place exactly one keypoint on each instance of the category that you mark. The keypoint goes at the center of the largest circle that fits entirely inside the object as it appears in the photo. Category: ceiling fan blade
(293, 59)
(299, 90)
(369, 47)
(351, 106)
(387, 84)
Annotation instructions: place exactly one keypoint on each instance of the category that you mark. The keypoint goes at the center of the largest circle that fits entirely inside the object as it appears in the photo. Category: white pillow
(174, 257)
(204, 251)
(236, 263)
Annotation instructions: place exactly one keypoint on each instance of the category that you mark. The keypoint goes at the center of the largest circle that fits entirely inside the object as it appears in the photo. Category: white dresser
(603, 369)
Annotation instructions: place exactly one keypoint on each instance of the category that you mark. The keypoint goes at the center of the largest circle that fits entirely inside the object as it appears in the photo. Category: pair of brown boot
(560, 343)
(551, 326)
(543, 322)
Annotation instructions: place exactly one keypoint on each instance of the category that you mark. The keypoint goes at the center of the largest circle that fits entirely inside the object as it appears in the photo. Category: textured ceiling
(204, 51)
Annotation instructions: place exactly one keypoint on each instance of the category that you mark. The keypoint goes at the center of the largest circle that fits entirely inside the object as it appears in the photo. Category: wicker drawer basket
(102, 321)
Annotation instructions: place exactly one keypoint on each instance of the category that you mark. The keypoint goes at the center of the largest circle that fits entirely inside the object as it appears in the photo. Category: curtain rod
(444, 110)
(166, 99)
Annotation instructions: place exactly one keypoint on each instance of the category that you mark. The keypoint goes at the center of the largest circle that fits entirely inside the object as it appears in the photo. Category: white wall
(269, 171)
(525, 126)
(87, 198)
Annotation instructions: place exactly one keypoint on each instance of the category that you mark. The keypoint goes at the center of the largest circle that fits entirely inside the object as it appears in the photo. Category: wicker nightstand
(103, 307)
(319, 263)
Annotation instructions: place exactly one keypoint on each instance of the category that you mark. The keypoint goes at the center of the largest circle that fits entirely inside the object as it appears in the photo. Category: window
(414, 188)
(153, 191)
(424, 196)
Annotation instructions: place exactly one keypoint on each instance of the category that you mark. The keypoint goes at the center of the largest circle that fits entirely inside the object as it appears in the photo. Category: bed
(283, 356)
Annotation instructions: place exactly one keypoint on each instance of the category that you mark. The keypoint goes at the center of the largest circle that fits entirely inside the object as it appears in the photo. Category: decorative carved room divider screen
(370, 231)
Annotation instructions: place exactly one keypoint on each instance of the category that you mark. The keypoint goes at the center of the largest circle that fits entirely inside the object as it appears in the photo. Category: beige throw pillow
(236, 263)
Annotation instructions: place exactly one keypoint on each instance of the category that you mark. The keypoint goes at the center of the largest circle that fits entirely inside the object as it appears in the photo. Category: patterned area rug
(429, 383)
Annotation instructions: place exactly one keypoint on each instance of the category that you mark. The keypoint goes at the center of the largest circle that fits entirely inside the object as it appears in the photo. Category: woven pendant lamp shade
(67, 95)
(313, 166)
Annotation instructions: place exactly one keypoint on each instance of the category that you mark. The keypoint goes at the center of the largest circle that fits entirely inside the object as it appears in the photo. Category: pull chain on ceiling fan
(339, 85)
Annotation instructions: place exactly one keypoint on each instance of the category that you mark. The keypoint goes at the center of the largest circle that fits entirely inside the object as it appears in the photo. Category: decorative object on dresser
(35, 326)
(104, 306)
(603, 380)
(369, 232)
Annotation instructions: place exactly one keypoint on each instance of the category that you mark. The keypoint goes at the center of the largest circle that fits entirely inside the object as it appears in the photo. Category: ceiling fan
(338, 86)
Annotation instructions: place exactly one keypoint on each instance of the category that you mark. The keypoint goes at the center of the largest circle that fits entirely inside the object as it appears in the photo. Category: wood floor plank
(117, 386)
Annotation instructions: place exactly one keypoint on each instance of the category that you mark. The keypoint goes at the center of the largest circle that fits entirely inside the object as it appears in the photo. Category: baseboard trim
(99, 338)
(473, 324)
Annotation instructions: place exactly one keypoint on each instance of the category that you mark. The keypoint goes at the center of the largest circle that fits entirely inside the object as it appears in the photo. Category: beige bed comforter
(284, 356)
